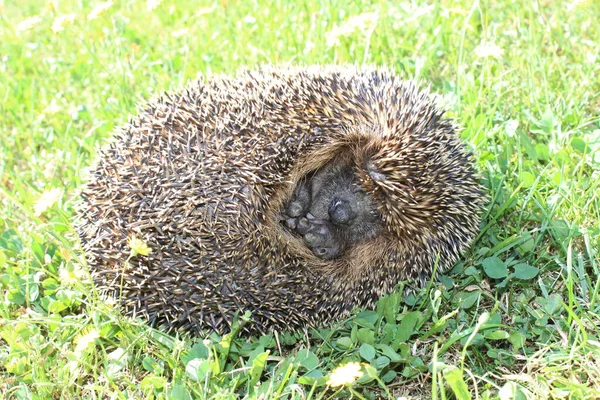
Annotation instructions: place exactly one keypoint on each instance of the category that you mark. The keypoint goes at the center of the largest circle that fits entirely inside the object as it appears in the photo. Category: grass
(517, 318)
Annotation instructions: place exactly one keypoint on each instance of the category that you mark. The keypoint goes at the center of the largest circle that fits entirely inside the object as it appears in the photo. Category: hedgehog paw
(320, 237)
(300, 202)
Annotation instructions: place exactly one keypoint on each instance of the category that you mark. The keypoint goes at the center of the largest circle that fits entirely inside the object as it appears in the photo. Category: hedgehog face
(331, 211)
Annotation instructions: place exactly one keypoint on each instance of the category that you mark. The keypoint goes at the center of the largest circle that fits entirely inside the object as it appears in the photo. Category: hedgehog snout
(341, 212)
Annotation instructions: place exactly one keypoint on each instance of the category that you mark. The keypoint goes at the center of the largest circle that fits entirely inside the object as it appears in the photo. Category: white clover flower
(59, 23)
(345, 374)
(576, 3)
(99, 9)
(488, 49)
(71, 277)
(180, 32)
(152, 5)
(28, 23)
(52, 108)
(364, 23)
(46, 200)
(84, 340)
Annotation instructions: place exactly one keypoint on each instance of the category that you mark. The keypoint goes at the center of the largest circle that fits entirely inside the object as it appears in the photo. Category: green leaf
(389, 305)
(468, 299)
(257, 351)
(517, 339)
(198, 369)
(407, 326)
(345, 342)
(541, 150)
(307, 359)
(454, 378)
(314, 377)
(258, 366)
(367, 352)
(150, 364)
(496, 335)
(389, 376)
(365, 335)
(527, 179)
(477, 340)
(578, 144)
(494, 268)
(163, 339)
(525, 271)
(198, 350)
(152, 381)
(371, 374)
(381, 362)
(66, 297)
(179, 392)
(527, 243)
(389, 352)
(50, 286)
(552, 303)
(367, 319)
(55, 306)
(34, 293)
(18, 299)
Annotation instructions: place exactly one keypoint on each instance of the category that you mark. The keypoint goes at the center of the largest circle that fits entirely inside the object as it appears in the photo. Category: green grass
(518, 317)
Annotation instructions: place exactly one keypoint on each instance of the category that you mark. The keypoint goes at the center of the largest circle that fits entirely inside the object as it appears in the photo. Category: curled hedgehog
(294, 193)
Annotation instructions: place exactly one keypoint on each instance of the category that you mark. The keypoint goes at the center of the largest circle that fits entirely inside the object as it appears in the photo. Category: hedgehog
(295, 194)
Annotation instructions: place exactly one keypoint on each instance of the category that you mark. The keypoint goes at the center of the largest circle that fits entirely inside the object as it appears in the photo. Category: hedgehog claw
(295, 209)
(300, 202)
(303, 226)
(291, 223)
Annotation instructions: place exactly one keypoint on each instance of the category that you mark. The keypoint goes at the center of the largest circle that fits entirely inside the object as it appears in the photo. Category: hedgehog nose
(341, 212)
(327, 253)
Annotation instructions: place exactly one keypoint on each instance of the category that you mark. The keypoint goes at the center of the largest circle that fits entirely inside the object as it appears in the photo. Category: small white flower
(345, 374)
(180, 32)
(575, 4)
(204, 11)
(152, 5)
(47, 200)
(85, 340)
(364, 23)
(249, 19)
(52, 108)
(99, 9)
(70, 277)
(488, 49)
(59, 23)
(28, 23)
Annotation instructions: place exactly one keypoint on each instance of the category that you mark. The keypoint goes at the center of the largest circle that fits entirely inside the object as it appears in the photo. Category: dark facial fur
(331, 212)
